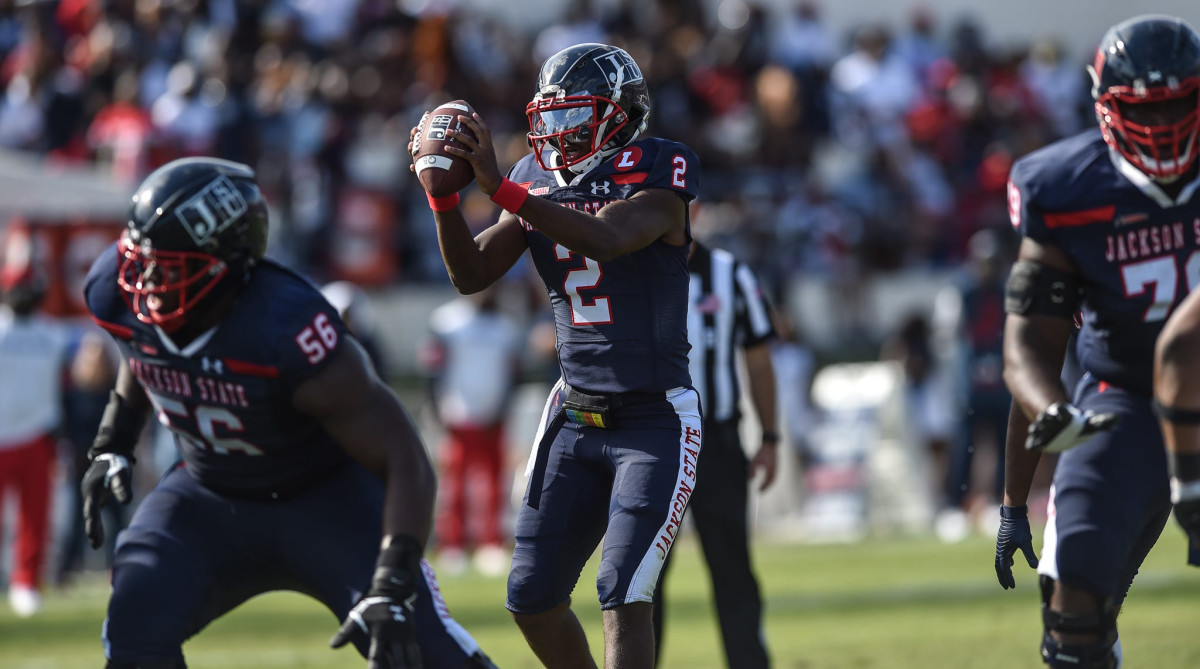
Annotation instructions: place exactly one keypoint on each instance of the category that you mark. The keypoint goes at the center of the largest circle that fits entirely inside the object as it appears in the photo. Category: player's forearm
(408, 472)
(133, 395)
(411, 490)
(1175, 388)
(608, 234)
(761, 374)
(582, 233)
(1019, 463)
(1033, 359)
(465, 261)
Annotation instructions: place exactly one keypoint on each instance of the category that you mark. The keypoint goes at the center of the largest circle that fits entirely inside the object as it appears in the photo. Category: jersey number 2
(1163, 275)
(583, 312)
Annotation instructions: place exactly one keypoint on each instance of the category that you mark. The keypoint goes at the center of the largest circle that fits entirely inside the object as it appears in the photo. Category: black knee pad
(1097, 654)
(1077, 656)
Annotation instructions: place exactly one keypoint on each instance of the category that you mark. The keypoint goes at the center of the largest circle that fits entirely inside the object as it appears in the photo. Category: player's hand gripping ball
(440, 173)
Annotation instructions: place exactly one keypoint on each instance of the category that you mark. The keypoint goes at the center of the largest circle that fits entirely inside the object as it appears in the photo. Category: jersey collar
(1149, 187)
(192, 347)
(559, 177)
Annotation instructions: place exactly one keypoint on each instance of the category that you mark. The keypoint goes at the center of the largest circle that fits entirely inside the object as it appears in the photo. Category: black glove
(108, 475)
(1014, 533)
(111, 468)
(1186, 498)
(385, 615)
(1062, 426)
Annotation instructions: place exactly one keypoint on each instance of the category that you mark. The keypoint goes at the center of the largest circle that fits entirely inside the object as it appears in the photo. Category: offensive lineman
(295, 454)
(1107, 220)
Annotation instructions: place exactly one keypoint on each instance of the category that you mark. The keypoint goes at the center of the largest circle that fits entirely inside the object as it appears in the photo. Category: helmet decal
(619, 69)
(213, 209)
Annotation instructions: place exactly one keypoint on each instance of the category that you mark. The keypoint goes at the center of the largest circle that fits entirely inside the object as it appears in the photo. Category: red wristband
(510, 196)
(445, 203)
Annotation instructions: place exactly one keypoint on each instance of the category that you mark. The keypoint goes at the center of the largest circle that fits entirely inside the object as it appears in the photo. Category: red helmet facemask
(162, 286)
(1154, 128)
(575, 126)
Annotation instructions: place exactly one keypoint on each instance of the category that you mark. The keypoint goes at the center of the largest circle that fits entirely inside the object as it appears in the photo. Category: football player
(603, 212)
(1108, 225)
(1177, 401)
(300, 470)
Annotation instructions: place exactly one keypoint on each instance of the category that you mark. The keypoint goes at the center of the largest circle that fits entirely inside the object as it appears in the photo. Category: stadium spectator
(473, 361)
(354, 307)
(93, 374)
(926, 397)
(728, 314)
(1057, 84)
(919, 45)
(795, 366)
(871, 89)
(301, 91)
(968, 332)
(32, 369)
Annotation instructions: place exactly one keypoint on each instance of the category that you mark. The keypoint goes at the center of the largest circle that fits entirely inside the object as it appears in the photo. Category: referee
(727, 311)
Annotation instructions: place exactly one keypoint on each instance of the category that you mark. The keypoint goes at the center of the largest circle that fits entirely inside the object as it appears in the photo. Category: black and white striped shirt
(726, 311)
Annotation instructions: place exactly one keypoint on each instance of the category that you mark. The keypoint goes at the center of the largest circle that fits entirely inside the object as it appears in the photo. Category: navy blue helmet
(196, 229)
(1146, 83)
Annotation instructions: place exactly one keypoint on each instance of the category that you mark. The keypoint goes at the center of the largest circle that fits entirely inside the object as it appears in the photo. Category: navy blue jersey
(621, 325)
(1134, 247)
(227, 395)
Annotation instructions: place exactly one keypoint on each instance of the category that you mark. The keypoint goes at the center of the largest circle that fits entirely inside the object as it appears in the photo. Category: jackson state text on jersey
(621, 325)
(227, 397)
(1135, 248)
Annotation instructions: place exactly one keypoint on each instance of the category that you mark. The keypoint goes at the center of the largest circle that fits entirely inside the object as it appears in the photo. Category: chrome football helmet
(591, 102)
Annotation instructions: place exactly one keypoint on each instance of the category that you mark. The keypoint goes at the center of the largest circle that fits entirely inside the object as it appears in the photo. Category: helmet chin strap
(561, 173)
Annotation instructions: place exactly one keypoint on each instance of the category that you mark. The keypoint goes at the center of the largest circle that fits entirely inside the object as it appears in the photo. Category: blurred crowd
(841, 155)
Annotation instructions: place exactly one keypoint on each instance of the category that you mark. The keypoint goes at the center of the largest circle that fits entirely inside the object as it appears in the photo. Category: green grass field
(888, 604)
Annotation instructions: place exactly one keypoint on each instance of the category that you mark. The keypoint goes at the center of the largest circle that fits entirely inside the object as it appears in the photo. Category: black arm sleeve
(1035, 289)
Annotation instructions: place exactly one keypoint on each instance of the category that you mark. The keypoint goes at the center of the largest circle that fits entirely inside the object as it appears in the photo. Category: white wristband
(1184, 492)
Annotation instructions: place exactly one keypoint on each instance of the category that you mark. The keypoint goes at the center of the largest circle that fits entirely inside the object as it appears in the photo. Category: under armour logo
(210, 365)
(1058, 292)
(599, 188)
(398, 613)
(1154, 75)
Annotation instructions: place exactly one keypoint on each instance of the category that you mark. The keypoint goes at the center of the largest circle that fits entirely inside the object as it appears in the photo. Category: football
(439, 172)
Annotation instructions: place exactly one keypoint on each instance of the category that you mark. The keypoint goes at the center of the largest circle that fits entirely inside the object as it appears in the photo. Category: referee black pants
(718, 508)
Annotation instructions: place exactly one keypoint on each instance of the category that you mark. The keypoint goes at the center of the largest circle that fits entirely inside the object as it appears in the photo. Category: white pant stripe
(687, 405)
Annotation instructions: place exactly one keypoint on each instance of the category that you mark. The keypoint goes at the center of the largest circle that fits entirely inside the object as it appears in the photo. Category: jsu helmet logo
(217, 206)
(600, 188)
(619, 68)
